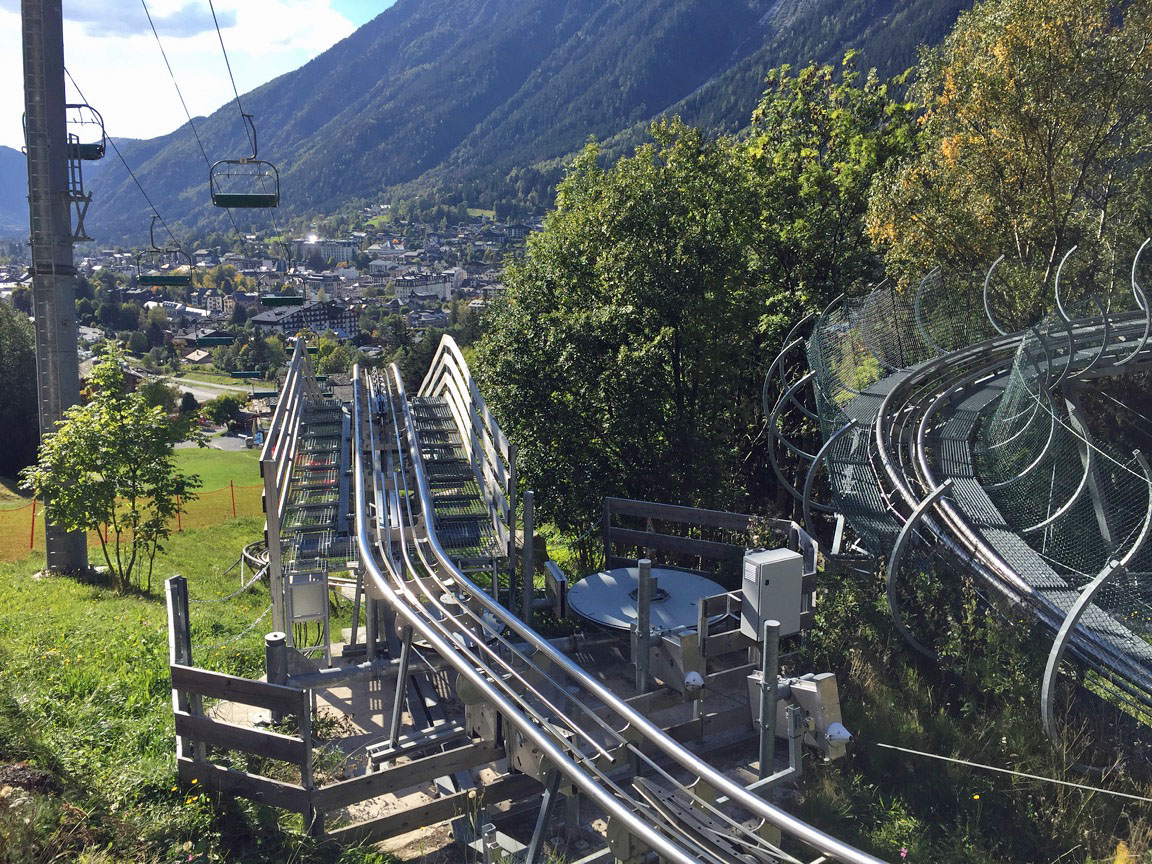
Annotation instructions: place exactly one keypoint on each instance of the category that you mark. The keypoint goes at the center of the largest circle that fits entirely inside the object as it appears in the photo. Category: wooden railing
(198, 734)
(717, 559)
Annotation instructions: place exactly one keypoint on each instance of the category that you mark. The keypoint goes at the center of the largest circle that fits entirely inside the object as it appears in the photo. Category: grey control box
(772, 584)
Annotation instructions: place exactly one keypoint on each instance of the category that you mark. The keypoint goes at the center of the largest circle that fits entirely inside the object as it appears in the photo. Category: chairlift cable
(228, 64)
(172, 75)
(123, 161)
(232, 199)
(187, 113)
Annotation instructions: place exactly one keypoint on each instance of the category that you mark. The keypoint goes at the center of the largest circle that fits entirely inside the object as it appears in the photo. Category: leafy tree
(137, 342)
(250, 351)
(817, 140)
(128, 317)
(1035, 136)
(109, 468)
(188, 403)
(624, 359)
(18, 409)
(627, 355)
(22, 299)
(223, 408)
(339, 361)
(154, 335)
(159, 394)
(85, 310)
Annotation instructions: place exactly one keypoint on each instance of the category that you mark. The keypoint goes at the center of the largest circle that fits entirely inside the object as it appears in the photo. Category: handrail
(789, 824)
(563, 762)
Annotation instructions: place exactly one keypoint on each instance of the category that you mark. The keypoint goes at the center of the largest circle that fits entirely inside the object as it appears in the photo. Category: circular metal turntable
(608, 598)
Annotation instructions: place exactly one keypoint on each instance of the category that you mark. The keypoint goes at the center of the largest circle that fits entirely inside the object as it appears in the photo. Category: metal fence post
(642, 641)
(769, 672)
(276, 663)
(529, 557)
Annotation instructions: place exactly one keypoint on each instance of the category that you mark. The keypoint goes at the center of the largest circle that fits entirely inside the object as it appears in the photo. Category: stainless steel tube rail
(466, 633)
(753, 840)
(786, 822)
(450, 652)
(955, 530)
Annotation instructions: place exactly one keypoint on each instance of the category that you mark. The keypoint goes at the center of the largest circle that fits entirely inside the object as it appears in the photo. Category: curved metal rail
(921, 419)
(417, 577)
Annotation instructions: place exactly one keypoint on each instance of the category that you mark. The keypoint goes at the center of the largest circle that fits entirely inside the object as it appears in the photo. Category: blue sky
(360, 11)
(110, 50)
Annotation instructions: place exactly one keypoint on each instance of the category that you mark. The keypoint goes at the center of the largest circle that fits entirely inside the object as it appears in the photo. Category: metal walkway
(940, 430)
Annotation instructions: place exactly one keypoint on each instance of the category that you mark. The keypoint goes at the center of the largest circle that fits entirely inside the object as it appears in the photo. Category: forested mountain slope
(459, 94)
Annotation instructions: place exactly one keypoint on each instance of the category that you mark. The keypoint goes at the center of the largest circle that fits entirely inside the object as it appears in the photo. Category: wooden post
(179, 525)
(314, 818)
(232, 489)
(180, 654)
(32, 533)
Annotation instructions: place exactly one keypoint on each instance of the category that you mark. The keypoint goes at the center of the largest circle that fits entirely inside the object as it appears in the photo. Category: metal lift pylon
(50, 200)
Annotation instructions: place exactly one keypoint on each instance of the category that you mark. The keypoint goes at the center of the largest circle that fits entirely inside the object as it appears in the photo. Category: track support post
(769, 672)
(642, 634)
(544, 817)
(401, 687)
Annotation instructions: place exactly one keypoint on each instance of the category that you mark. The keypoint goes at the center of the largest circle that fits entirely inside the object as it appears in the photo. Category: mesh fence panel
(22, 531)
(1050, 501)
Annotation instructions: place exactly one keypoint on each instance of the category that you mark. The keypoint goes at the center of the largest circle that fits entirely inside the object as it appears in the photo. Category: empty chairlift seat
(163, 268)
(249, 182)
(245, 183)
(86, 138)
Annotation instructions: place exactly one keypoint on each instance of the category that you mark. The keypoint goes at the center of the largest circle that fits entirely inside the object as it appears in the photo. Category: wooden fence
(699, 540)
(22, 528)
(199, 737)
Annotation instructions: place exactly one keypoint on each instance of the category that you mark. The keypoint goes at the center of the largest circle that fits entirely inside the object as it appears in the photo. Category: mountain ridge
(13, 192)
(477, 95)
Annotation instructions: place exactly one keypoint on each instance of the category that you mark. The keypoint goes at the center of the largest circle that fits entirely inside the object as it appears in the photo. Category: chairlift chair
(245, 183)
(163, 268)
(86, 137)
(281, 300)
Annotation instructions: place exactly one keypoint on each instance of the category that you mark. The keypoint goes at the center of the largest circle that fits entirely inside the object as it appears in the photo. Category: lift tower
(54, 188)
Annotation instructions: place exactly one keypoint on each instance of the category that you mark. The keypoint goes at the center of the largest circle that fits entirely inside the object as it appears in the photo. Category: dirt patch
(24, 776)
(431, 845)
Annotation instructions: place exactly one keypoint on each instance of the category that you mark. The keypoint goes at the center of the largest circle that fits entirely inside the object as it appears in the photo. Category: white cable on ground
(239, 635)
(256, 578)
(1016, 773)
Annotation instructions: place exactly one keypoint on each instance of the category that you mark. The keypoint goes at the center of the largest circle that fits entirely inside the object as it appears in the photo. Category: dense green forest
(662, 286)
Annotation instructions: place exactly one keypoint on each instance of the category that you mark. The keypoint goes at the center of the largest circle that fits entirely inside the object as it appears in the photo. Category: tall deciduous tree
(625, 359)
(18, 409)
(818, 138)
(109, 468)
(628, 355)
(1035, 136)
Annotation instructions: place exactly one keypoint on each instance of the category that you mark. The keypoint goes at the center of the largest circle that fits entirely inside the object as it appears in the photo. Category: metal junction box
(772, 589)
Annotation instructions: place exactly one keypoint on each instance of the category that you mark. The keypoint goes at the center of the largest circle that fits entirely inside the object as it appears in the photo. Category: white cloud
(116, 62)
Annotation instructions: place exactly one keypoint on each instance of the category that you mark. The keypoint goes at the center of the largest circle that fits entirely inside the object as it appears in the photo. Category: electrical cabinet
(772, 584)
